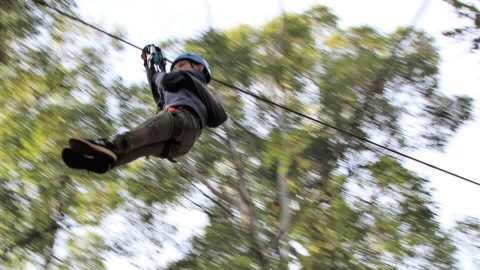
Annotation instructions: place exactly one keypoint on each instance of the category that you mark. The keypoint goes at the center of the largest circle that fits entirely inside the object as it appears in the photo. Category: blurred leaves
(467, 235)
(472, 29)
(364, 82)
(351, 207)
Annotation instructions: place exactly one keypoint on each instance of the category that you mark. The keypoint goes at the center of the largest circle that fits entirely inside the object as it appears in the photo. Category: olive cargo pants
(149, 138)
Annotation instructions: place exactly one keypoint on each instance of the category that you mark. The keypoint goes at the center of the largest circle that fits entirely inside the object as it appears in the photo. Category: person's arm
(194, 81)
(152, 74)
(157, 82)
(216, 114)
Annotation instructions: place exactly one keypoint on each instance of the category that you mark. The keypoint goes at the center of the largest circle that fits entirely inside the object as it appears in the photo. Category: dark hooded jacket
(188, 88)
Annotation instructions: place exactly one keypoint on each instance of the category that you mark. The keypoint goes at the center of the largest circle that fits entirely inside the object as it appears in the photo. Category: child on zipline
(185, 107)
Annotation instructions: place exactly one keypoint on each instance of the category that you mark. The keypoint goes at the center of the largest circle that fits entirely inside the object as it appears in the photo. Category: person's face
(186, 65)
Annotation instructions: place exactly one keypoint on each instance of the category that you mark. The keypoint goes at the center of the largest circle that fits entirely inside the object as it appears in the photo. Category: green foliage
(350, 207)
(48, 95)
(467, 236)
(360, 78)
(471, 30)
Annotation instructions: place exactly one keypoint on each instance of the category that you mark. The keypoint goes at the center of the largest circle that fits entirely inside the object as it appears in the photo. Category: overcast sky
(150, 21)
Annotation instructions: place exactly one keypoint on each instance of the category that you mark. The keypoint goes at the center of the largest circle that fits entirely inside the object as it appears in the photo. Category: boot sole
(81, 161)
(85, 147)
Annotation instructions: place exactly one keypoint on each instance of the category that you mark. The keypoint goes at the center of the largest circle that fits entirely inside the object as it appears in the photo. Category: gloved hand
(152, 57)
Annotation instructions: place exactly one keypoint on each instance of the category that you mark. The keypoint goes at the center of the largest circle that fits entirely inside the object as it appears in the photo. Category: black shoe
(76, 160)
(101, 150)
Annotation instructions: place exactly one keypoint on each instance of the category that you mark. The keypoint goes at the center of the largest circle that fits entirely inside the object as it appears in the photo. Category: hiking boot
(101, 150)
(76, 160)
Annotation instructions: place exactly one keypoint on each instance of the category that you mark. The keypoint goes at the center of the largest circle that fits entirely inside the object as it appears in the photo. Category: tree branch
(214, 201)
(281, 239)
(245, 199)
(30, 237)
(222, 195)
(36, 234)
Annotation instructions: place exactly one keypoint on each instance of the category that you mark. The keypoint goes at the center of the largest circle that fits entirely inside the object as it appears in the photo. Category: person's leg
(190, 133)
(153, 131)
(146, 139)
(187, 130)
(146, 150)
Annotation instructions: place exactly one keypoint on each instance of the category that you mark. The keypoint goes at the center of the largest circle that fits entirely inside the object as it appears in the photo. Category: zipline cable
(343, 131)
(268, 101)
(43, 3)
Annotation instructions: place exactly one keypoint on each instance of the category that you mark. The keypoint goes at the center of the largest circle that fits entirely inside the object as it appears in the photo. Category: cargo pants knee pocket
(190, 130)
